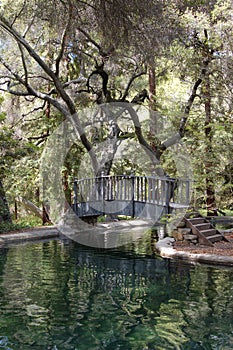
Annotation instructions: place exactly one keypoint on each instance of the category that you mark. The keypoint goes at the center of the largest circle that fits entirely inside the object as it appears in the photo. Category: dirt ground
(219, 248)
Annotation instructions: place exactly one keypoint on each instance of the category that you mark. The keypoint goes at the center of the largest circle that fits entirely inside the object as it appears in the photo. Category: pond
(60, 295)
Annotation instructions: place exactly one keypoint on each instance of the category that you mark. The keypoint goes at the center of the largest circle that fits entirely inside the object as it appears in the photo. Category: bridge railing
(161, 191)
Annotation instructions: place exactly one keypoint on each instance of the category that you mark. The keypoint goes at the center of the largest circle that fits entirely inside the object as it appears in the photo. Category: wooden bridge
(147, 197)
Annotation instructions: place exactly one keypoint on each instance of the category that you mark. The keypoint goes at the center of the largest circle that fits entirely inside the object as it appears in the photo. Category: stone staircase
(201, 227)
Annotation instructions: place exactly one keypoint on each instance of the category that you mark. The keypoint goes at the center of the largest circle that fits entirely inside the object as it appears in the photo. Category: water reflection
(60, 295)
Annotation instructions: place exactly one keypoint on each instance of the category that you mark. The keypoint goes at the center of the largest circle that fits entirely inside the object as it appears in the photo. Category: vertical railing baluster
(167, 194)
(163, 191)
(116, 188)
(126, 188)
(75, 195)
(85, 190)
(146, 189)
(129, 188)
(153, 190)
(81, 192)
(89, 189)
(93, 190)
(179, 191)
(101, 188)
(110, 189)
(107, 188)
(180, 196)
(141, 189)
(120, 187)
(113, 188)
(133, 204)
(124, 197)
(159, 190)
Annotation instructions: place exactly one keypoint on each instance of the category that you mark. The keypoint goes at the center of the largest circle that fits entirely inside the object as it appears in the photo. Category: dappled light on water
(60, 295)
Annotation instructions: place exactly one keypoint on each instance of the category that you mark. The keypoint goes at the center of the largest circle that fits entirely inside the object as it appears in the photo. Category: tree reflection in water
(60, 295)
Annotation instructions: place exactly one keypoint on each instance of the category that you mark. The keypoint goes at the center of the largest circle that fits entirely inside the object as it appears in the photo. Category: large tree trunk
(210, 190)
(4, 207)
(152, 100)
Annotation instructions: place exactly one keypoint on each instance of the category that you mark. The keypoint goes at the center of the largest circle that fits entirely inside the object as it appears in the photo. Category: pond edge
(166, 250)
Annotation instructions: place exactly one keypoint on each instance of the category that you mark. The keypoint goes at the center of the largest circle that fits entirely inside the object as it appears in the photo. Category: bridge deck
(136, 196)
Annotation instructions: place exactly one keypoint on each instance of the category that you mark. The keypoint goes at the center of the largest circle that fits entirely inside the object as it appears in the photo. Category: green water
(59, 295)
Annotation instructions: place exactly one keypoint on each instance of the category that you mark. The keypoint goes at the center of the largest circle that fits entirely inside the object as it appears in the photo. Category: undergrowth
(20, 224)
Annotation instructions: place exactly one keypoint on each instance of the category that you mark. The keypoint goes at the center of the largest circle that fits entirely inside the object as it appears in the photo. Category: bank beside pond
(220, 254)
(34, 234)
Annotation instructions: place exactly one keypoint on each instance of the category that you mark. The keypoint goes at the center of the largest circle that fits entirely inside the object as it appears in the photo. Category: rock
(190, 237)
(177, 235)
(165, 242)
(184, 231)
(181, 224)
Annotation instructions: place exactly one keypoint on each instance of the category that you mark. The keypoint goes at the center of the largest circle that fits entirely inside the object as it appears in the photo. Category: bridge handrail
(171, 179)
(149, 189)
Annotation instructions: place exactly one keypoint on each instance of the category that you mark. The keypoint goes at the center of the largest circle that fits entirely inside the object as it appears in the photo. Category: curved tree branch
(70, 110)
(104, 75)
(24, 64)
(130, 83)
(61, 52)
(192, 97)
(63, 42)
(138, 131)
(101, 51)
(180, 134)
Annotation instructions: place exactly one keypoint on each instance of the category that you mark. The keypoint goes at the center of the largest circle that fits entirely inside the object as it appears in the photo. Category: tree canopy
(59, 57)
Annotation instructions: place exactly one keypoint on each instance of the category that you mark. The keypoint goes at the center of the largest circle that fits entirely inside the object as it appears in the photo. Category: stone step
(215, 238)
(203, 226)
(196, 221)
(209, 232)
(206, 232)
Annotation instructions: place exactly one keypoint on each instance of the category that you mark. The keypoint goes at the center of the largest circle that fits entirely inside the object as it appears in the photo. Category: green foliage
(20, 225)
(8, 227)
(11, 149)
(2, 117)
(188, 33)
(29, 221)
